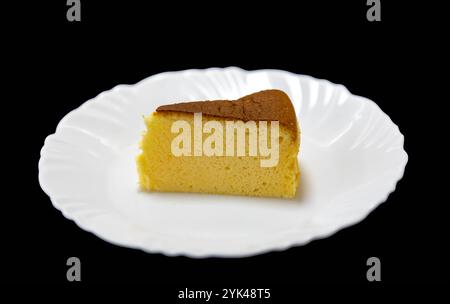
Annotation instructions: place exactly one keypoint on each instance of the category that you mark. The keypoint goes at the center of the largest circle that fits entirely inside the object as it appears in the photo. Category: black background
(122, 43)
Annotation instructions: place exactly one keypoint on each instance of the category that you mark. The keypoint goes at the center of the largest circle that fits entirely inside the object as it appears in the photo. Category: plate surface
(351, 157)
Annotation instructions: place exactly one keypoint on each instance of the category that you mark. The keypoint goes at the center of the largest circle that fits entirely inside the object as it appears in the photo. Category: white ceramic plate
(351, 157)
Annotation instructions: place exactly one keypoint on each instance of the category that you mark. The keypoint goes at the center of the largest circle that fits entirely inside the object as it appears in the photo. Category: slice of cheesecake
(247, 146)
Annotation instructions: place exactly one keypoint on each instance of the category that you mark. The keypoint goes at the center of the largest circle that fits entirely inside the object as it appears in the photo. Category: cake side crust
(269, 105)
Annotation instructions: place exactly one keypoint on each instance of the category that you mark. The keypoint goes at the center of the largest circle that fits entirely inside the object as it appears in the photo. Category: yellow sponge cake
(247, 146)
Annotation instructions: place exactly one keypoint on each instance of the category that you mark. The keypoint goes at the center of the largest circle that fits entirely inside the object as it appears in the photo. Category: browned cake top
(267, 105)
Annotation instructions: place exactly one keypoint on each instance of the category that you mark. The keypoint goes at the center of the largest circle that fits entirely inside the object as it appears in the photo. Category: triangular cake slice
(185, 151)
